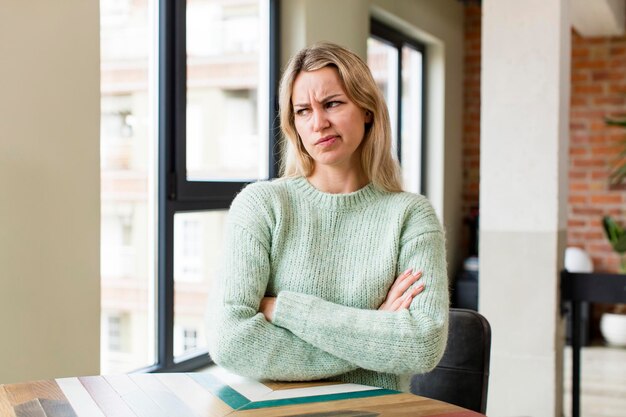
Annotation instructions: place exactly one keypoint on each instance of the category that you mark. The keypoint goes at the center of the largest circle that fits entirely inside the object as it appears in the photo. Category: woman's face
(330, 125)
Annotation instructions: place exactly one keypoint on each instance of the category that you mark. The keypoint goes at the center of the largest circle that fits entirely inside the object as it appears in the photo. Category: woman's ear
(369, 117)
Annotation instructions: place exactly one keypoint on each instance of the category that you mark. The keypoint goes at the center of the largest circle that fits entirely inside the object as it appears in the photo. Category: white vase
(613, 328)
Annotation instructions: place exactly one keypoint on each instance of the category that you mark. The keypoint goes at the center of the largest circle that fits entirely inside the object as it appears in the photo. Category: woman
(308, 286)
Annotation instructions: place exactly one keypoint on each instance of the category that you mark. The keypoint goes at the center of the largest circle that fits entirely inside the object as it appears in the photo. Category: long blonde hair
(377, 159)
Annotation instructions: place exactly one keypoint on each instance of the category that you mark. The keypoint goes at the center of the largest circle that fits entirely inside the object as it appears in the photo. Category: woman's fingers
(405, 300)
(397, 304)
(267, 307)
(410, 295)
(400, 294)
(395, 290)
(402, 283)
(401, 278)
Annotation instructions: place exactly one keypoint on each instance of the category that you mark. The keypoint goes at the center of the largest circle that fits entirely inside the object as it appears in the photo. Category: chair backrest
(462, 375)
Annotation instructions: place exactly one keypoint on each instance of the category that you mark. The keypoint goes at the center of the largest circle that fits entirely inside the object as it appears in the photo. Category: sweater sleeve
(240, 339)
(404, 342)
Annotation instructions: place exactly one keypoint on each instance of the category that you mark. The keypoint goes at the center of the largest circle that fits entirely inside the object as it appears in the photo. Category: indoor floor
(603, 381)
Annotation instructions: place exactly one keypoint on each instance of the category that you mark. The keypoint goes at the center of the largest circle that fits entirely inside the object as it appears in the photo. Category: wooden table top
(215, 393)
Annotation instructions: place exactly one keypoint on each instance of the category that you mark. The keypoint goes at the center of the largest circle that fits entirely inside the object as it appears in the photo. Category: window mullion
(166, 180)
(274, 133)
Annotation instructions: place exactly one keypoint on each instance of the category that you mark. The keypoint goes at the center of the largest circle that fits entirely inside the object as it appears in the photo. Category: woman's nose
(320, 121)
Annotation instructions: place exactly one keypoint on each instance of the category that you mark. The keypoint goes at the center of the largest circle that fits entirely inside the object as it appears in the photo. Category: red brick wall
(471, 118)
(598, 90)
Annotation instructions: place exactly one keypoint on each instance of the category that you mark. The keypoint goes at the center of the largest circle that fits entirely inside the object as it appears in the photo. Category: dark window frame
(175, 193)
(395, 38)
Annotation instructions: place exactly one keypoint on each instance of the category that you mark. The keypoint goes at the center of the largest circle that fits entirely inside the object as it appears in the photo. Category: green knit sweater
(330, 260)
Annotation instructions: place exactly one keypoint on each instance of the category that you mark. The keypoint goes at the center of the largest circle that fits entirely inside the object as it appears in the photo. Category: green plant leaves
(615, 234)
(616, 122)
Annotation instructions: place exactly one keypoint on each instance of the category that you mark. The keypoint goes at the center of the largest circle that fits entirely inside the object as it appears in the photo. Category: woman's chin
(329, 162)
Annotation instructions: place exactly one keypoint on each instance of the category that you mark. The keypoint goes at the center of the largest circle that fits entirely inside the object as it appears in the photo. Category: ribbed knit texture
(330, 260)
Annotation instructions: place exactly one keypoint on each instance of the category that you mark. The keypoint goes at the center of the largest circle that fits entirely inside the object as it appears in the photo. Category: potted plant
(613, 322)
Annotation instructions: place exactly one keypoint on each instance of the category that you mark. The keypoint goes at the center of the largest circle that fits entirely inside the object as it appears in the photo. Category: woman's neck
(337, 181)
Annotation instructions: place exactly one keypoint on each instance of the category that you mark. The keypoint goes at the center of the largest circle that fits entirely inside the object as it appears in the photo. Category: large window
(187, 115)
(397, 62)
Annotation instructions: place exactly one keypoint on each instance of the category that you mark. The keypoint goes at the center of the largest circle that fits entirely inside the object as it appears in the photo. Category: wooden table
(211, 394)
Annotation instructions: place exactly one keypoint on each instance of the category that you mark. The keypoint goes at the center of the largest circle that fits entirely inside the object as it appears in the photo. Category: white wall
(49, 180)
(523, 200)
(438, 24)
(304, 22)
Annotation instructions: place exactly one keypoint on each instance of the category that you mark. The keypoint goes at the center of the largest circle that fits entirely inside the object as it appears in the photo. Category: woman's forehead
(317, 84)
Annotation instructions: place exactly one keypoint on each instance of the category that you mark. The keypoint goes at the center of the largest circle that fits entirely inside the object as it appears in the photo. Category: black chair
(462, 376)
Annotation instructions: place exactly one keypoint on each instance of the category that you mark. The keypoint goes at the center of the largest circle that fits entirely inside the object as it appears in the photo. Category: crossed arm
(399, 297)
(302, 337)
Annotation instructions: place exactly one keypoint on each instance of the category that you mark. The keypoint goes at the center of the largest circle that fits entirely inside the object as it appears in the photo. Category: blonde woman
(331, 272)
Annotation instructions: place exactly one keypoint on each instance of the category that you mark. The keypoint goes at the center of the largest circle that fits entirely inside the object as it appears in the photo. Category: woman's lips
(326, 141)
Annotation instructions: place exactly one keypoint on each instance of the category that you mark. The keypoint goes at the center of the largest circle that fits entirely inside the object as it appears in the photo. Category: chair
(462, 375)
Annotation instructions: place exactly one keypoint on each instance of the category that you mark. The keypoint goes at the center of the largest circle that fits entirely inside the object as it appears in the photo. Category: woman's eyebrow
(330, 97)
(324, 100)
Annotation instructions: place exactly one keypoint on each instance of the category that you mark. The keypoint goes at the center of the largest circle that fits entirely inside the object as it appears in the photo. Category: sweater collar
(339, 202)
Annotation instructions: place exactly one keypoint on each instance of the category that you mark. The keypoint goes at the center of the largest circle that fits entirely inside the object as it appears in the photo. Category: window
(216, 124)
(186, 341)
(397, 63)
(187, 114)
(117, 339)
(188, 248)
(115, 333)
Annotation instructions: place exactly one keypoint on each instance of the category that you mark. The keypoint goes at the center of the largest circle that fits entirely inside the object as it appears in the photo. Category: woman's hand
(400, 296)
(267, 307)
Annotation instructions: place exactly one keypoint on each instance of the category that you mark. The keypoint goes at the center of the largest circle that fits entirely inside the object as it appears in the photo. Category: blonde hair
(377, 159)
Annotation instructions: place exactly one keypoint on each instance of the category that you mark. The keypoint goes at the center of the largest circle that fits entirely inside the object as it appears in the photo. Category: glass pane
(411, 118)
(227, 89)
(198, 238)
(128, 197)
(383, 62)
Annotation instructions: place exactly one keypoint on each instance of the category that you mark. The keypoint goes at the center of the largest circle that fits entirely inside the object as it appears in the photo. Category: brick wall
(471, 121)
(598, 89)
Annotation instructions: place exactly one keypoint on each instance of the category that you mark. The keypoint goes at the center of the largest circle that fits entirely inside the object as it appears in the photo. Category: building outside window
(128, 197)
(162, 219)
(190, 337)
(114, 332)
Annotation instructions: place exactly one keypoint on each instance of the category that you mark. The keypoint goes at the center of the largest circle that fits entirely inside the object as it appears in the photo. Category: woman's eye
(332, 104)
(302, 112)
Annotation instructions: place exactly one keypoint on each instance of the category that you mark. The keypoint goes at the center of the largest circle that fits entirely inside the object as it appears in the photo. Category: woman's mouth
(326, 140)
